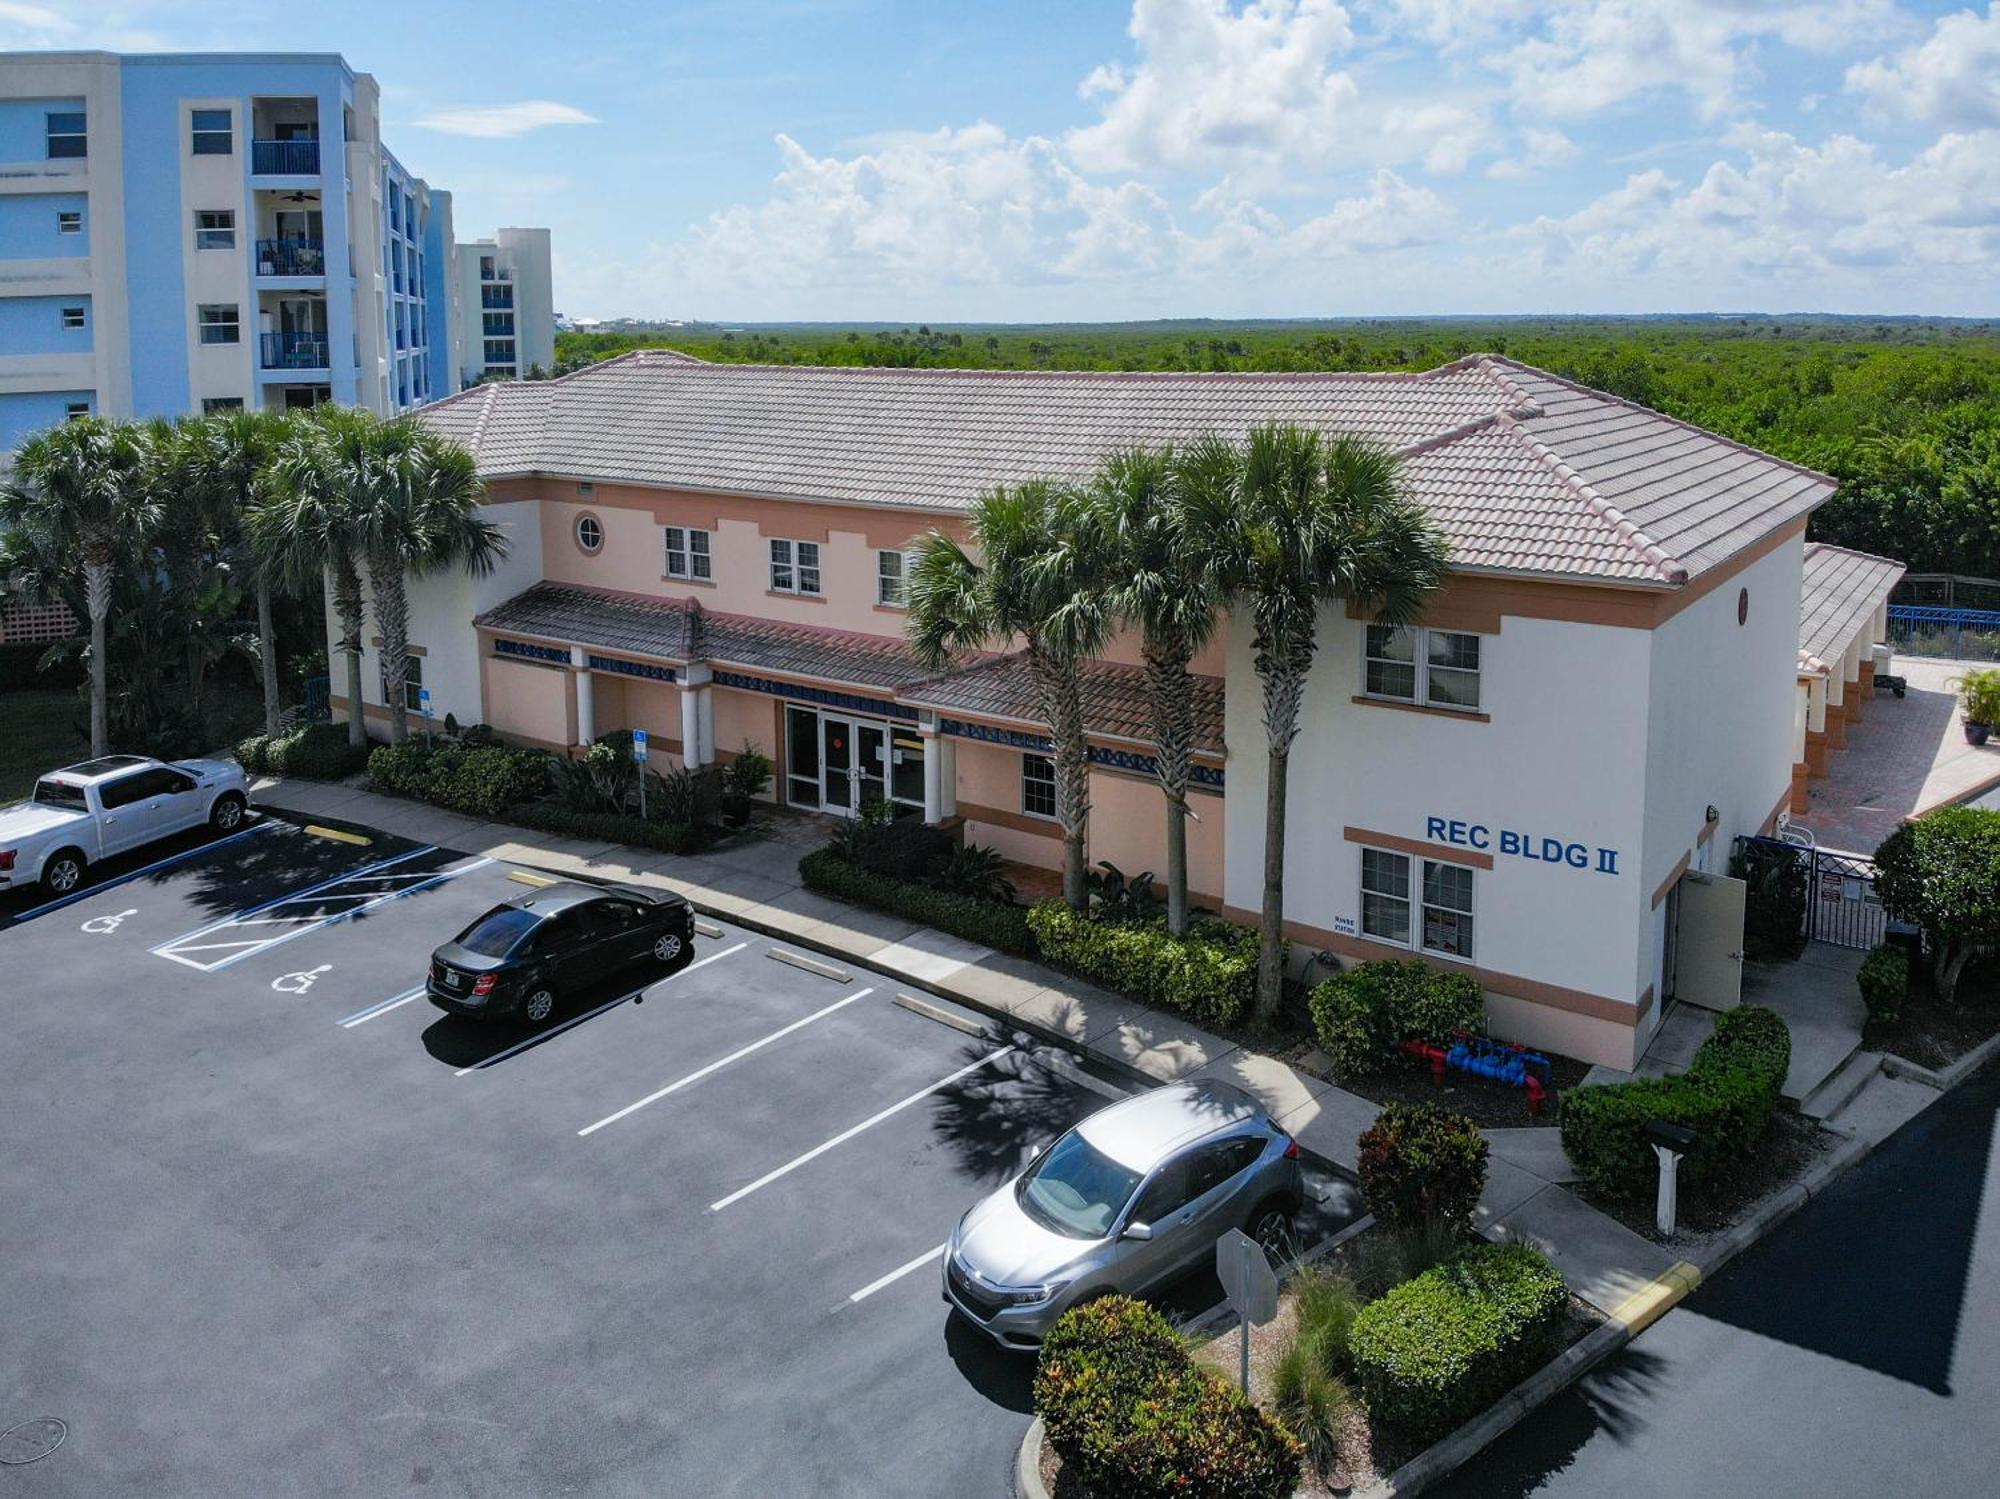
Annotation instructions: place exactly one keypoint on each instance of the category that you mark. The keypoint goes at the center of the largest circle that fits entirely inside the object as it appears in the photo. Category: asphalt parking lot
(275, 1225)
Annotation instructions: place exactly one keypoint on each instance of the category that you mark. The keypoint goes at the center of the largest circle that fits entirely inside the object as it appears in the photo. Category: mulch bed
(1785, 1154)
(1491, 1105)
(1934, 1034)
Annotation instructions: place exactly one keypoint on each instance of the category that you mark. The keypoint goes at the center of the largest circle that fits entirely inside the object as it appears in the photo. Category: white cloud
(1952, 78)
(27, 26)
(504, 121)
(1393, 216)
(1541, 150)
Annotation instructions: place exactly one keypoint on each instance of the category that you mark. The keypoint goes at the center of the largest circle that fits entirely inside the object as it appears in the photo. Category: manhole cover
(30, 1440)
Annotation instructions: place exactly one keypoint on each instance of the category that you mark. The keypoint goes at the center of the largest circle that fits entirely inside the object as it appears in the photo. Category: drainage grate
(31, 1440)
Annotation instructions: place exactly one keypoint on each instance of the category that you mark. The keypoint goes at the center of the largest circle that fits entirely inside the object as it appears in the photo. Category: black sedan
(522, 959)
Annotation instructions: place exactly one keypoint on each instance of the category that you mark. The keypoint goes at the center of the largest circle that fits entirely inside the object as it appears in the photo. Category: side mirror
(1140, 1232)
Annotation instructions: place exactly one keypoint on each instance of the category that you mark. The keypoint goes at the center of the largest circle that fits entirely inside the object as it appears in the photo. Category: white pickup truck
(85, 813)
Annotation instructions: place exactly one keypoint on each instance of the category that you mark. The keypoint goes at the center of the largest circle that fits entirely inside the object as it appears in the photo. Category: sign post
(424, 707)
(639, 756)
(1250, 1284)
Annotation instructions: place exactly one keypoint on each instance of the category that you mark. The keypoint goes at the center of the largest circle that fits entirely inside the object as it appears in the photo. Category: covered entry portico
(837, 762)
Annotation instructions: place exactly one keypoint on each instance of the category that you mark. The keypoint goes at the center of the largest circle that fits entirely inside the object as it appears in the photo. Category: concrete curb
(1028, 1465)
(1951, 1075)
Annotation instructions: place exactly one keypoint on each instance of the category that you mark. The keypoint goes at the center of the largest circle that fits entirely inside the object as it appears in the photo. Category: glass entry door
(836, 759)
(840, 764)
(871, 763)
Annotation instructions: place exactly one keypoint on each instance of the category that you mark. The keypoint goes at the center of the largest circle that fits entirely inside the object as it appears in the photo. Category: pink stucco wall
(530, 701)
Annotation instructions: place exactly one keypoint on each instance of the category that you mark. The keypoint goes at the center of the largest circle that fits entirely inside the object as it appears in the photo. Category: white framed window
(1434, 668)
(589, 532)
(221, 323)
(690, 553)
(891, 579)
(1038, 786)
(68, 134)
(413, 683)
(213, 133)
(73, 319)
(69, 221)
(1433, 918)
(215, 229)
(794, 566)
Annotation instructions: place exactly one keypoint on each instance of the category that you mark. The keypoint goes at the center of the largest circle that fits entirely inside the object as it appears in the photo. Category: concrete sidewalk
(756, 883)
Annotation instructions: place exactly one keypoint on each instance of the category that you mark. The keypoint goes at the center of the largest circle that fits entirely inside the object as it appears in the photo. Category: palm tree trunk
(1057, 684)
(347, 606)
(97, 600)
(267, 654)
(1171, 694)
(1282, 666)
(392, 616)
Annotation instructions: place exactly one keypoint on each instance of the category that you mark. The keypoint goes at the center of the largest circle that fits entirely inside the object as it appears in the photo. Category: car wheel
(669, 947)
(540, 1005)
(64, 872)
(226, 816)
(1271, 1227)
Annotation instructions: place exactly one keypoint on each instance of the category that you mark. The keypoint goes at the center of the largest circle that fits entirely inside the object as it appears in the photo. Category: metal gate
(1840, 904)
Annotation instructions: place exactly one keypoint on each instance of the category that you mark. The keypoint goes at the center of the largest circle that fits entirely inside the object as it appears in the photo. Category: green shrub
(1422, 1163)
(896, 848)
(1362, 1014)
(995, 924)
(485, 782)
(1774, 911)
(1885, 982)
(1133, 1416)
(613, 827)
(1310, 1398)
(1726, 1097)
(1210, 975)
(1942, 873)
(400, 769)
(318, 751)
(254, 754)
(1439, 1349)
(977, 870)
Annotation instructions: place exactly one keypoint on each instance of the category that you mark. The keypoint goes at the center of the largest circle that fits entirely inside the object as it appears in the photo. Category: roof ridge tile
(1670, 568)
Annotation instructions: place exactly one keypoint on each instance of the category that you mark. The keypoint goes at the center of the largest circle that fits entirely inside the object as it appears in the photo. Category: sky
(1091, 160)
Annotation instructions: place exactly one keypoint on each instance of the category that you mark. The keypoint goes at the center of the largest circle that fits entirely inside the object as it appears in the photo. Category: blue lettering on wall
(1538, 848)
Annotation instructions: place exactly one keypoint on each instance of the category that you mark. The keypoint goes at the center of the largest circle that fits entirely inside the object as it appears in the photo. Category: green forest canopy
(1905, 412)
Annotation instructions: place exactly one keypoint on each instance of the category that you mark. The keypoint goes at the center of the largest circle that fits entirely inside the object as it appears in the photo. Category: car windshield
(59, 794)
(495, 933)
(1076, 1190)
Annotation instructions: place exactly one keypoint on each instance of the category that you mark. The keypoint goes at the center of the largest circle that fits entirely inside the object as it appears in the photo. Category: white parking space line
(898, 1273)
(395, 1001)
(536, 1040)
(735, 1056)
(125, 879)
(848, 1134)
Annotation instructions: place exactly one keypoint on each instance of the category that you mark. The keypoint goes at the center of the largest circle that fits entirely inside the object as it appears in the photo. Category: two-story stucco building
(1537, 783)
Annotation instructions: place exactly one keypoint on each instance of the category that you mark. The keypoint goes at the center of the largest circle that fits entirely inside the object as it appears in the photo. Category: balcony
(291, 257)
(284, 158)
(497, 297)
(294, 351)
(500, 327)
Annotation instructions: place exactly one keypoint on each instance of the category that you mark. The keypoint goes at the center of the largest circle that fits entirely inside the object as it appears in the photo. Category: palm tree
(1310, 520)
(231, 455)
(1169, 588)
(82, 493)
(1042, 575)
(424, 519)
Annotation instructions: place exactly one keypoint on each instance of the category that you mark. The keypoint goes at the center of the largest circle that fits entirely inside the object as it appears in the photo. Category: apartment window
(214, 135)
(76, 411)
(795, 567)
(689, 554)
(1443, 906)
(1437, 668)
(1038, 786)
(215, 229)
(589, 532)
(68, 135)
(220, 323)
(210, 405)
(499, 351)
(72, 319)
(891, 569)
(413, 683)
(69, 221)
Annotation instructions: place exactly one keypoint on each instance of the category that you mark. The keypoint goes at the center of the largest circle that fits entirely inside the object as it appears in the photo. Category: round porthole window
(1742, 605)
(589, 532)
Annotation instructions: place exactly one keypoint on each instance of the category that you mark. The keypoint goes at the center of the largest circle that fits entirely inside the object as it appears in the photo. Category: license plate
(451, 979)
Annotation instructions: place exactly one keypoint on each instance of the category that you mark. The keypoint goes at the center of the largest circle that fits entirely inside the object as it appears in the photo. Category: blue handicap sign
(638, 744)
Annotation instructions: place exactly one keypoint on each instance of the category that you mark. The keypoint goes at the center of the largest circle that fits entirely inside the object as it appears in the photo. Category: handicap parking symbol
(298, 983)
(104, 926)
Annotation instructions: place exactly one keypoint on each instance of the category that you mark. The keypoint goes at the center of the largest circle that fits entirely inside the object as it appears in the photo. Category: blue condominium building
(185, 232)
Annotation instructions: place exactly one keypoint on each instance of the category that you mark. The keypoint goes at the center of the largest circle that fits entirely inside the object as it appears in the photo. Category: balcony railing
(497, 296)
(291, 257)
(294, 351)
(500, 327)
(285, 158)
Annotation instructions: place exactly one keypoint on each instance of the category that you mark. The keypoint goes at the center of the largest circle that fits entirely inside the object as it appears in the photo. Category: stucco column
(1816, 690)
(933, 768)
(586, 717)
(697, 718)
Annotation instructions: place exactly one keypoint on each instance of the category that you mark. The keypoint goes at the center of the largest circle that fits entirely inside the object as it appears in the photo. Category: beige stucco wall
(530, 701)
(741, 716)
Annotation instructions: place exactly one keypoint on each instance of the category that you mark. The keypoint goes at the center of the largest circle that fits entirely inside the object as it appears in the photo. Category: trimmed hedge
(1442, 1347)
(1422, 1163)
(484, 782)
(316, 751)
(613, 827)
(1726, 1097)
(1885, 982)
(1133, 1416)
(1210, 975)
(1361, 1014)
(991, 923)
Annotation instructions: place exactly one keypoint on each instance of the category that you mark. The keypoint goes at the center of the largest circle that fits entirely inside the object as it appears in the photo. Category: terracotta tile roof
(800, 650)
(1114, 699)
(1839, 595)
(1526, 472)
(618, 622)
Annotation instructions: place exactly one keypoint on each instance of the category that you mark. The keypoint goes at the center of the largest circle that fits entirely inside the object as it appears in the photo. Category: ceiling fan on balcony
(298, 195)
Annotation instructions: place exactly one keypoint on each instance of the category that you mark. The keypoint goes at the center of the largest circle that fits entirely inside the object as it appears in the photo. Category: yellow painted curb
(339, 835)
(523, 877)
(1655, 1299)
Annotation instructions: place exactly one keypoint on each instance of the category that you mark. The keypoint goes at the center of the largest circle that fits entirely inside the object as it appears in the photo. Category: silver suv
(1135, 1195)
